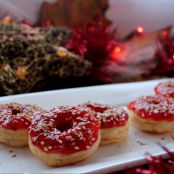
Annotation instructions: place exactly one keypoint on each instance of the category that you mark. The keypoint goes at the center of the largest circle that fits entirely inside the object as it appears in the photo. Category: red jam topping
(154, 107)
(165, 89)
(16, 116)
(64, 130)
(108, 116)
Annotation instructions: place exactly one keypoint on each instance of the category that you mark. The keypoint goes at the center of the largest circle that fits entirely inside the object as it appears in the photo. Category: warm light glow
(140, 30)
(116, 52)
(173, 57)
(165, 33)
(117, 49)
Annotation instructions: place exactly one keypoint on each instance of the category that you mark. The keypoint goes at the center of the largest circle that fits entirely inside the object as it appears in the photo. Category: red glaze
(108, 116)
(165, 89)
(154, 107)
(64, 130)
(16, 116)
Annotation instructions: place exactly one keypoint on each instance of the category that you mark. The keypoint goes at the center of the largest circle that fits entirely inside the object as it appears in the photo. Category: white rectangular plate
(107, 158)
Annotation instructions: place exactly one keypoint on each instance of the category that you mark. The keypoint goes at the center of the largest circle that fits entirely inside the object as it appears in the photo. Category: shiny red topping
(154, 107)
(64, 130)
(108, 116)
(16, 116)
(165, 89)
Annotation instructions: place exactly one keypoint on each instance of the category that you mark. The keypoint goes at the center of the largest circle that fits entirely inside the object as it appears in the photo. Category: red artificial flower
(96, 42)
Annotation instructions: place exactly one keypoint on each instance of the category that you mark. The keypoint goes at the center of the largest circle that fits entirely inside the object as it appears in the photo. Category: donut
(113, 122)
(14, 122)
(63, 136)
(165, 89)
(152, 114)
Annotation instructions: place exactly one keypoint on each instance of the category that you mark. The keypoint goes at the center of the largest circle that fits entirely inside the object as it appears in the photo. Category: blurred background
(126, 15)
(54, 44)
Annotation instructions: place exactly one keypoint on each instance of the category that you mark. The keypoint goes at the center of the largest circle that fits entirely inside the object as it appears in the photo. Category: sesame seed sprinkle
(42, 142)
(154, 107)
(76, 147)
(45, 148)
(50, 147)
(60, 141)
(80, 128)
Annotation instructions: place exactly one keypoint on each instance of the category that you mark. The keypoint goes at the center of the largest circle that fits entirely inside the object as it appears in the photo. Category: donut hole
(156, 102)
(64, 126)
(15, 111)
(97, 108)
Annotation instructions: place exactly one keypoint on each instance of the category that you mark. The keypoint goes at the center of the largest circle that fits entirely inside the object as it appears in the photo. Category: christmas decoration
(95, 41)
(20, 74)
(27, 53)
(115, 60)
(135, 58)
(138, 56)
(156, 165)
(65, 64)
(54, 35)
(21, 57)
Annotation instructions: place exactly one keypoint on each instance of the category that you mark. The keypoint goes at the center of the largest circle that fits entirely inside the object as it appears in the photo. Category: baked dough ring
(114, 135)
(54, 159)
(165, 89)
(16, 138)
(152, 114)
(113, 122)
(14, 122)
(64, 135)
(150, 125)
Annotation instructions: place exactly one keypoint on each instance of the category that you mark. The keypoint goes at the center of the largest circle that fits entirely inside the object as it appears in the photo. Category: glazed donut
(63, 136)
(113, 122)
(165, 89)
(14, 122)
(152, 114)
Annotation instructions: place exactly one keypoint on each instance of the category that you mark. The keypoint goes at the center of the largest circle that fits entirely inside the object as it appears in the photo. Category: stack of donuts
(69, 134)
(63, 135)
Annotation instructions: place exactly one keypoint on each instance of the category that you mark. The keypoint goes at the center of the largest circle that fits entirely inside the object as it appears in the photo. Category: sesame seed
(45, 148)
(34, 139)
(81, 138)
(69, 138)
(60, 141)
(76, 147)
(72, 144)
(49, 147)
(42, 142)
(93, 139)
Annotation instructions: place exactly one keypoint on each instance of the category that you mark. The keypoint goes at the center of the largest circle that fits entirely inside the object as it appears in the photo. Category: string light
(165, 33)
(140, 30)
(116, 52)
(117, 49)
